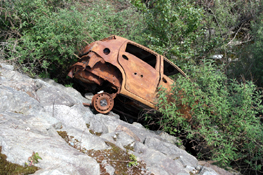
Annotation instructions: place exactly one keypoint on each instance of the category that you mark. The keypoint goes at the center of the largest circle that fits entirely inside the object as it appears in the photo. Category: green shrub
(246, 47)
(172, 26)
(48, 36)
(178, 29)
(224, 114)
(51, 33)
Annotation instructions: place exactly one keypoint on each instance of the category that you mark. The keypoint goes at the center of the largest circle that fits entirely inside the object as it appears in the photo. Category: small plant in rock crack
(133, 161)
(34, 159)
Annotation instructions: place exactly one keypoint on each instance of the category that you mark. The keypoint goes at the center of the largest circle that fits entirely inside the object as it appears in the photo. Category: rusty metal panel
(93, 59)
(106, 72)
(88, 77)
(141, 78)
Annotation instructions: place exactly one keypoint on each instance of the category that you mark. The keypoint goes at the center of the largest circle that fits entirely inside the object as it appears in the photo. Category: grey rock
(198, 167)
(50, 96)
(51, 172)
(110, 169)
(126, 130)
(73, 93)
(40, 83)
(112, 114)
(87, 114)
(158, 161)
(141, 133)
(28, 87)
(84, 139)
(112, 137)
(190, 169)
(218, 170)
(98, 126)
(70, 116)
(207, 171)
(124, 139)
(53, 83)
(53, 121)
(58, 125)
(18, 144)
(170, 139)
(6, 66)
(14, 76)
(28, 123)
(171, 151)
(89, 96)
(33, 110)
(137, 125)
(19, 102)
(113, 123)
(157, 171)
(110, 121)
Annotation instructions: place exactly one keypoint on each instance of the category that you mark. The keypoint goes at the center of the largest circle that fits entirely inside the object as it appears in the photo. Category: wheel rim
(103, 103)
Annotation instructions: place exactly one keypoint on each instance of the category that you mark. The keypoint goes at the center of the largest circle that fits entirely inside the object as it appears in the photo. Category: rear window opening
(142, 54)
(169, 69)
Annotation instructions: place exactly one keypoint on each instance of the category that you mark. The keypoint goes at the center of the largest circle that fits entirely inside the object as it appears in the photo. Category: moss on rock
(8, 168)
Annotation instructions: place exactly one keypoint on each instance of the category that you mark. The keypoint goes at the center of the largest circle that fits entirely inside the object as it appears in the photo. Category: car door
(167, 68)
(141, 67)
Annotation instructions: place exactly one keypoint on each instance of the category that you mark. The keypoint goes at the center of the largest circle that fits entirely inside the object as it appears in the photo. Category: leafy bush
(48, 37)
(51, 33)
(242, 29)
(224, 114)
(172, 26)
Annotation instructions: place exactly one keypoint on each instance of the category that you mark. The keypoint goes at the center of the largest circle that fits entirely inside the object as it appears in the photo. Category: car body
(118, 66)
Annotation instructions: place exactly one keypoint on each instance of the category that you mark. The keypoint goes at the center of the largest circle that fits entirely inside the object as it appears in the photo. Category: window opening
(142, 54)
(169, 69)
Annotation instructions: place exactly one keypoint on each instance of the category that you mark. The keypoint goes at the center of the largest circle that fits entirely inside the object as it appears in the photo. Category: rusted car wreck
(117, 66)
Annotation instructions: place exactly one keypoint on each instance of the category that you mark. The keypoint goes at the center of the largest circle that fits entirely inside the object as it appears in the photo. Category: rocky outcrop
(47, 118)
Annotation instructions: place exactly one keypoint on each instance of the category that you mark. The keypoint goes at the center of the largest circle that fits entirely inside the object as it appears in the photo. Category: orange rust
(122, 67)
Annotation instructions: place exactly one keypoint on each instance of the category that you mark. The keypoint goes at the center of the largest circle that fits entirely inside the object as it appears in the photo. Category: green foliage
(223, 114)
(104, 21)
(173, 27)
(249, 65)
(7, 168)
(69, 85)
(48, 38)
(51, 33)
(34, 158)
(227, 25)
(133, 161)
(256, 50)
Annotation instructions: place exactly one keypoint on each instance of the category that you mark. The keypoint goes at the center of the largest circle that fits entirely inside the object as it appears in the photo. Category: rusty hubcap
(103, 103)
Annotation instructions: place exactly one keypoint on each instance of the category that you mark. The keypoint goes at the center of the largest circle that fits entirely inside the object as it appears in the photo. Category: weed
(133, 161)
(34, 158)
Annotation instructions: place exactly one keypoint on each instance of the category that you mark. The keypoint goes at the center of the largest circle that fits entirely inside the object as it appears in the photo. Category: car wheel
(103, 103)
